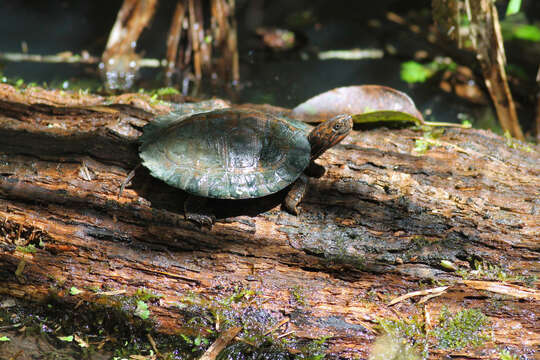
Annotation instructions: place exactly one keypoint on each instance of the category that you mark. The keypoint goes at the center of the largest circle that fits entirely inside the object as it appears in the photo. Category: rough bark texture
(381, 219)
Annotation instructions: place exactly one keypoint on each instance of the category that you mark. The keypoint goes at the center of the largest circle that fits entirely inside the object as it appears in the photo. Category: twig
(153, 344)
(285, 334)
(222, 341)
(437, 291)
(277, 326)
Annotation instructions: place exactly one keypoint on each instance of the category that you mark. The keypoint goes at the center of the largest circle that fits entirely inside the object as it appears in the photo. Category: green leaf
(513, 7)
(186, 339)
(66, 338)
(448, 265)
(142, 310)
(413, 72)
(74, 291)
(506, 355)
(385, 116)
(527, 32)
(421, 146)
(4, 339)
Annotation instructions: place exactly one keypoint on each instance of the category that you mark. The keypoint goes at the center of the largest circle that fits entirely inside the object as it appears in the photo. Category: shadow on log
(381, 220)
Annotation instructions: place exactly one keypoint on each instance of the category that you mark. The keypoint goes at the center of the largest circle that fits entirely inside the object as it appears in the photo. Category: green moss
(462, 329)
(407, 337)
(411, 329)
(312, 350)
(144, 294)
(428, 140)
(297, 293)
(243, 351)
(453, 331)
(56, 322)
(142, 310)
(277, 350)
(485, 271)
(389, 347)
(109, 322)
(29, 249)
(81, 85)
(74, 291)
(516, 144)
(506, 355)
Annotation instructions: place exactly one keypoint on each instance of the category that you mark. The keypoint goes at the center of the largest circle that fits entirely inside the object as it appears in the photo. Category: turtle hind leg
(195, 210)
(295, 195)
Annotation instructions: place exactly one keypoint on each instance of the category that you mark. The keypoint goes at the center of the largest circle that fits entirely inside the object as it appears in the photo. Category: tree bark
(380, 220)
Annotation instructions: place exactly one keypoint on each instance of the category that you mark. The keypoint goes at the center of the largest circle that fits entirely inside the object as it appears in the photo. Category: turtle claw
(195, 210)
(315, 170)
(291, 209)
(201, 220)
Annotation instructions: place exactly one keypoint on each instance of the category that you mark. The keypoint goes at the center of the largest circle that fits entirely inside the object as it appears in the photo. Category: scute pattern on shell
(227, 154)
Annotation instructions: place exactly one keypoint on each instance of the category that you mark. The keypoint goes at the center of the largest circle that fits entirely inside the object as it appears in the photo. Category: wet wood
(490, 55)
(538, 106)
(484, 34)
(380, 220)
(173, 38)
(132, 18)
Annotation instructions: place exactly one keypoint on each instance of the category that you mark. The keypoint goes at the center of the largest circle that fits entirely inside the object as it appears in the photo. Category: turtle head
(328, 134)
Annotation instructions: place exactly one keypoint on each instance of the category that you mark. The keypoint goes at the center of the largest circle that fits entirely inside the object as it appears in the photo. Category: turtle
(236, 153)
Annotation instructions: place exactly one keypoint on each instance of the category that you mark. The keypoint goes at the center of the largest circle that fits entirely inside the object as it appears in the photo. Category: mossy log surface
(376, 226)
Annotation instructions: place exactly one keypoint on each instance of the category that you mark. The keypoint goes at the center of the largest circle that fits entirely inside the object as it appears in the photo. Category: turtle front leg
(315, 170)
(195, 210)
(296, 194)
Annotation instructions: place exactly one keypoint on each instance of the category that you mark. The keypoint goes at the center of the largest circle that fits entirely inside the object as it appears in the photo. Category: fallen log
(383, 221)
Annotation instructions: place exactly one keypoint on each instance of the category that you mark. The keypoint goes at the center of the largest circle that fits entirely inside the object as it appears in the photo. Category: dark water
(283, 79)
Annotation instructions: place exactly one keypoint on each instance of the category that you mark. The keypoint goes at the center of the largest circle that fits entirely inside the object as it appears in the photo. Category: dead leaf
(355, 100)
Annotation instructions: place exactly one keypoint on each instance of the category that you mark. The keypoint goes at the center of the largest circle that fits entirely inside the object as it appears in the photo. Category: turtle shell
(226, 154)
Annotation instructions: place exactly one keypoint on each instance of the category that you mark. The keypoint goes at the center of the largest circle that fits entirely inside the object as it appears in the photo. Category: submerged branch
(68, 57)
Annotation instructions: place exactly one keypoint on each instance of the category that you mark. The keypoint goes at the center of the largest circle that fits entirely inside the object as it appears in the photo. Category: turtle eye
(337, 126)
